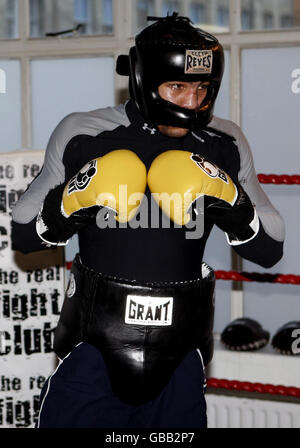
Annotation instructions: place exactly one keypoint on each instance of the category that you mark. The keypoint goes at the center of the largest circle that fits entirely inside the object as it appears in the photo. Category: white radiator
(232, 412)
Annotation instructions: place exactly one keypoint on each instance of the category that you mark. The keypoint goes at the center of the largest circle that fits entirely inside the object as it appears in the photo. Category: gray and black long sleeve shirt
(145, 253)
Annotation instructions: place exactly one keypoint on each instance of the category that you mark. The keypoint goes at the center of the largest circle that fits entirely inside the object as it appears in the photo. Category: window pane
(10, 109)
(271, 105)
(269, 14)
(222, 106)
(63, 86)
(8, 19)
(270, 118)
(211, 16)
(141, 9)
(52, 16)
(169, 6)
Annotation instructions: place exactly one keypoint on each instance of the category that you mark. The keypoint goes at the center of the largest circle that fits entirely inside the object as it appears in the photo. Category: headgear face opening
(172, 49)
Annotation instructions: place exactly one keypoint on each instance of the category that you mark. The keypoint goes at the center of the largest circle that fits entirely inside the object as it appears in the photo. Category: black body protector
(144, 330)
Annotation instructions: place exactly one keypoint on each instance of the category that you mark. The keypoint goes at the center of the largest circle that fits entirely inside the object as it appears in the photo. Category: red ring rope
(246, 386)
(278, 179)
(258, 277)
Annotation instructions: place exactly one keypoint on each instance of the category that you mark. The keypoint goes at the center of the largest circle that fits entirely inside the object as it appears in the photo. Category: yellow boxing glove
(177, 178)
(116, 180)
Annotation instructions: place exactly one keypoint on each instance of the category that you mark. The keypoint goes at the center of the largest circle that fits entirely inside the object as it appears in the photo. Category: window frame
(26, 48)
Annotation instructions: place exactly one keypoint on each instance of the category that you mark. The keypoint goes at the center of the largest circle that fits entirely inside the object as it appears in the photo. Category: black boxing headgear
(172, 49)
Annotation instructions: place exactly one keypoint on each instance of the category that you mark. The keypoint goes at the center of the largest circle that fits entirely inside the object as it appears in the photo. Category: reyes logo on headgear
(198, 61)
(148, 310)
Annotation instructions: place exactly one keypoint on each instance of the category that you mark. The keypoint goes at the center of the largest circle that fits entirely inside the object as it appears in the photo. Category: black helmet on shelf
(173, 49)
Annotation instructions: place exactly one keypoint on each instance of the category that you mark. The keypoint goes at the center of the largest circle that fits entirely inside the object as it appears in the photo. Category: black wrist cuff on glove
(244, 233)
(239, 222)
(53, 227)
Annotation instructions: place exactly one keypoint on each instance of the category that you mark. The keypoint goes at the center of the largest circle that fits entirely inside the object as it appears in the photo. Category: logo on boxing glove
(209, 168)
(82, 179)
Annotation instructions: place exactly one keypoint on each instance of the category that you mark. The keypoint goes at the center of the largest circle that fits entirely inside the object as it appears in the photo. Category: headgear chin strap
(172, 49)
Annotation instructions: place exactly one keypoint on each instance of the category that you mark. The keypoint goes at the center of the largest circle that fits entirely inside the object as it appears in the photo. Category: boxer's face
(184, 94)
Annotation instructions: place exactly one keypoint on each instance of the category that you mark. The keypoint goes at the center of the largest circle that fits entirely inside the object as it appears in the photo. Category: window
(286, 21)
(267, 14)
(267, 20)
(197, 13)
(8, 19)
(51, 16)
(222, 16)
(169, 7)
(81, 11)
(36, 17)
(65, 85)
(10, 105)
(270, 120)
(247, 19)
(143, 10)
(107, 17)
(214, 19)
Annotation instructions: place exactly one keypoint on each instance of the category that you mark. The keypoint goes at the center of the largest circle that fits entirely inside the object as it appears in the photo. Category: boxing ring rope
(243, 276)
(279, 179)
(245, 386)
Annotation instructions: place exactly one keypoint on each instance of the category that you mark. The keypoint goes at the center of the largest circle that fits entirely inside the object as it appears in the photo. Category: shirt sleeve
(24, 214)
(266, 248)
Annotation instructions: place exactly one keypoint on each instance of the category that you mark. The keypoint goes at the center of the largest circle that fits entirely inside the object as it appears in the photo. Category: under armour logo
(146, 128)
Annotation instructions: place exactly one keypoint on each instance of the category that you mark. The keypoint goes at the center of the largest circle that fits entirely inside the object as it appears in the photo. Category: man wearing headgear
(135, 330)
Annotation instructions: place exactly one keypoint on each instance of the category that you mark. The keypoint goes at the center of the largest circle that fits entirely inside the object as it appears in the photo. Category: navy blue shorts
(79, 395)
